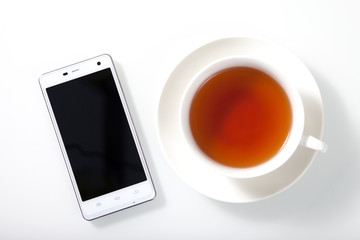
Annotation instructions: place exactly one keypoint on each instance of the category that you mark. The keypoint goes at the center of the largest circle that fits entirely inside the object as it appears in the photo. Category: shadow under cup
(241, 117)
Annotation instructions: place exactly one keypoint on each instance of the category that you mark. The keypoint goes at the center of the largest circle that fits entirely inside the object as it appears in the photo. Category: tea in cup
(244, 118)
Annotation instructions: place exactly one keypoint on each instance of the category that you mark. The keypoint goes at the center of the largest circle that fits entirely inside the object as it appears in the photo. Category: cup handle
(313, 143)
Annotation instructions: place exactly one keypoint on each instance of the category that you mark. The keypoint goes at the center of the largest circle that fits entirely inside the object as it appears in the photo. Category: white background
(148, 39)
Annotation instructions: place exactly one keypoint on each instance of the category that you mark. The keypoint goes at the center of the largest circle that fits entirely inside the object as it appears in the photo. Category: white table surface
(148, 39)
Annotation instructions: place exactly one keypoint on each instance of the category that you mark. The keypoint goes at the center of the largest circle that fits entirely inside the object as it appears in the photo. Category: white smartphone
(97, 137)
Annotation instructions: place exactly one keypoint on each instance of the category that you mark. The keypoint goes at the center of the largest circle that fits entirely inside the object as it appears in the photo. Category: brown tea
(240, 117)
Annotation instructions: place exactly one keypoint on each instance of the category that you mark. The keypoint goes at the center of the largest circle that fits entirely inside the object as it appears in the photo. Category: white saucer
(180, 156)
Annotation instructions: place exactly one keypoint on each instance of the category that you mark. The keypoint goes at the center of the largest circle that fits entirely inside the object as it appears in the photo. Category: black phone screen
(96, 134)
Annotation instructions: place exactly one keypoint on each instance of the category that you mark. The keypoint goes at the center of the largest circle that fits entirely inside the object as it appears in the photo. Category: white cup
(295, 137)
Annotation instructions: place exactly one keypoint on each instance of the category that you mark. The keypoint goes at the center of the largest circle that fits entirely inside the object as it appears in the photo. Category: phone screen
(96, 134)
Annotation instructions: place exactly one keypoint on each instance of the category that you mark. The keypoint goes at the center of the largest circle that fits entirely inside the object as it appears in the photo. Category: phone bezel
(119, 199)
